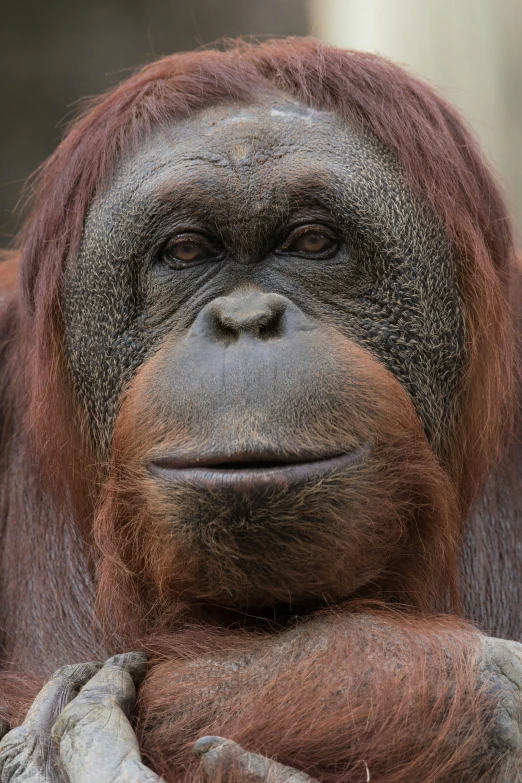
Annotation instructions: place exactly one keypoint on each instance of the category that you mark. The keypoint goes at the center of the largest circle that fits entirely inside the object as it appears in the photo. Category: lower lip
(244, 479)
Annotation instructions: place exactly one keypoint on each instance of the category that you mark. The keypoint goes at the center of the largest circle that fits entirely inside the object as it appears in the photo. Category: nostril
(272, 326)
(259, 324)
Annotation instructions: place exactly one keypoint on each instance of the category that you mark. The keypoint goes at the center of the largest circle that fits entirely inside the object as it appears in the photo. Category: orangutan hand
(502, 665)
(92, 740)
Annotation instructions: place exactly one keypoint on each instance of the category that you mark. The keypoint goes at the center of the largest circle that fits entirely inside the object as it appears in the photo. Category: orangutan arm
(332, 692)
(434, 699)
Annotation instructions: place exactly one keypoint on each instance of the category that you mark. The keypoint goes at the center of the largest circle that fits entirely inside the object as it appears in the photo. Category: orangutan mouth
(247, 471)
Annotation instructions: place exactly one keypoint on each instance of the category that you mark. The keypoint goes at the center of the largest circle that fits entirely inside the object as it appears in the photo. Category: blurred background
(54, 53)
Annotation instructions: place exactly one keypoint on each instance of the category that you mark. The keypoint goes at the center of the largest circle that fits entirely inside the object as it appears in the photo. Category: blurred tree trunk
(470, 49)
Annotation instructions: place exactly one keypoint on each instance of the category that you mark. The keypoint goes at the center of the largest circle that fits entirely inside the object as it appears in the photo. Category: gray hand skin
(79, 724)
(225, 761)
(78, 728)
(502, 666)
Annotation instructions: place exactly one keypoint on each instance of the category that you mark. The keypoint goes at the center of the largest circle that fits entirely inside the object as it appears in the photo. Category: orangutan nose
(253, 314)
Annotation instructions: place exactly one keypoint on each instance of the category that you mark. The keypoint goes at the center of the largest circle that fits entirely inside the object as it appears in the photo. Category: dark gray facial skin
(245, 177)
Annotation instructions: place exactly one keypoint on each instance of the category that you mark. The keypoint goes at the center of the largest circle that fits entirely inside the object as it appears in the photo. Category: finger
(117, 680)
(96, 741)
(224, 761)
(24, 750)
(56, 694)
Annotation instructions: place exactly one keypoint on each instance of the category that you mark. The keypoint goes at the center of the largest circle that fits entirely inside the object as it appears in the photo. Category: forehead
(248, 160)
(254, 135)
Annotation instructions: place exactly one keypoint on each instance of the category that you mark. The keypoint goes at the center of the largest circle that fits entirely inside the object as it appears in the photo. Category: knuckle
(76, 671)
(504, 659)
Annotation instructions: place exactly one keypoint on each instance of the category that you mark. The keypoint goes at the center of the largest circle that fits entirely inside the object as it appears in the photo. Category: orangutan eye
(309, 240)
(184, 250)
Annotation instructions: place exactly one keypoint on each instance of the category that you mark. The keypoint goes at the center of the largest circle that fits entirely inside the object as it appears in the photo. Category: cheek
(323, 538)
